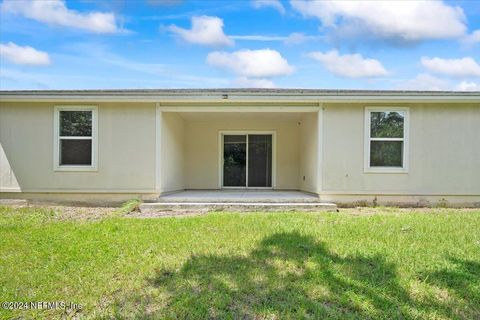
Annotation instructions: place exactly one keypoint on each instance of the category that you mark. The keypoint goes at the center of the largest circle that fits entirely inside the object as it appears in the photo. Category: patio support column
(319, 170)
(158, 147)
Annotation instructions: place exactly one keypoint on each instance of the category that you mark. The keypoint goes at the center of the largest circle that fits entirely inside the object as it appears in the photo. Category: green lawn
(392, 264)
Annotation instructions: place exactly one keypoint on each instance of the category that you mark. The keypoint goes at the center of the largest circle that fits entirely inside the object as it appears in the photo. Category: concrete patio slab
(240, 196)
(236, 200)
(235, 206)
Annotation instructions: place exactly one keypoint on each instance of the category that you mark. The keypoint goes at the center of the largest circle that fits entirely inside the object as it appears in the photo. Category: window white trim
(366, 165)
(57, 137)
(222, 133)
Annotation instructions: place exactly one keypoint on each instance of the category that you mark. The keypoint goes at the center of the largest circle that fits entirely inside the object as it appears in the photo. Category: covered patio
(192, 149)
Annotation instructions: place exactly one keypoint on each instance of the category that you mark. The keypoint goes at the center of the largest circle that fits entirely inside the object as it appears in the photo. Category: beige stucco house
(392, 146)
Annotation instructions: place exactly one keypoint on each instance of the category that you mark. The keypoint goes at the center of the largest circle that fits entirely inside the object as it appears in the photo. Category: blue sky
(87, 44)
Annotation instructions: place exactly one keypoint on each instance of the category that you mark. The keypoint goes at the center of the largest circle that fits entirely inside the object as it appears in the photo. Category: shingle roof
(254, 91)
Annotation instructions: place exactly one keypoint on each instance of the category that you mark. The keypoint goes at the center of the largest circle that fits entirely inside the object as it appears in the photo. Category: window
(386, 140)
(75, 138)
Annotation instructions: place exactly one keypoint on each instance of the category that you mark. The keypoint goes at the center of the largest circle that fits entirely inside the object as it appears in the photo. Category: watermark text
(40, 305)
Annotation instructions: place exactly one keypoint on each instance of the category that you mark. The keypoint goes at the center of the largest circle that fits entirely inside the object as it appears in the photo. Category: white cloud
(263, 63)
(464, 67)
(468, 86)
(244, 82)
(427, 82)
(406, 21)
(275, 4)
(298, 37)
(259, 37)
(205, 31)
(55, 12)
(23, 55)
(349, 65)
(424, 82)
(292, 38)
(472, 38)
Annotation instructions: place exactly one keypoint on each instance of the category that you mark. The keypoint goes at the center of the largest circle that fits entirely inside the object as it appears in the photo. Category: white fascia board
(240, 98)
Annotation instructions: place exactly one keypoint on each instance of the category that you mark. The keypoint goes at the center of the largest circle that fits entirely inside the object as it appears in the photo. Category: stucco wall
(202, 151)
(444, 152)
(308, 153)
(126, 149)
(172, 152)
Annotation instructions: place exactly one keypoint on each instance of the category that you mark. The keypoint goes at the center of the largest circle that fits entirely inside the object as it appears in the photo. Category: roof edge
(238, 95)
(246, 91)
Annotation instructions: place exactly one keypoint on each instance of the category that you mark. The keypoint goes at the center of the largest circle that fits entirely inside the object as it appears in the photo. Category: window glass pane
(76, 123)
(75, 152)
(386, 153)
(259, 160)
(386, 124)
(235, 161)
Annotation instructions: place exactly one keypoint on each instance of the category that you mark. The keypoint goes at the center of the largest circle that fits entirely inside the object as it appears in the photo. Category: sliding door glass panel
(259, 160)
(234, 160)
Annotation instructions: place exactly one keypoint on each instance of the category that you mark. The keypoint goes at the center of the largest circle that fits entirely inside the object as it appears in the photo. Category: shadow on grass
(463, 280)
(290, 275)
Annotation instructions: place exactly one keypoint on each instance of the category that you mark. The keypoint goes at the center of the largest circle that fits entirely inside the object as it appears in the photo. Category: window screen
(75, 138)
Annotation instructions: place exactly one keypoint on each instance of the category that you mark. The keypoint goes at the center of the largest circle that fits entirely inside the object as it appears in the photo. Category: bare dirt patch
(79, 213)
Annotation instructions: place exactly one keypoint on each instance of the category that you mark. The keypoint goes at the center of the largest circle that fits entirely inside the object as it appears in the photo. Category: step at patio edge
(237, 200)
(236, 206)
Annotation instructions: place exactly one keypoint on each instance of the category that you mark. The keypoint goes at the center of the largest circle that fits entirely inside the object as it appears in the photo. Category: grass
(386, 264)
(129, 206)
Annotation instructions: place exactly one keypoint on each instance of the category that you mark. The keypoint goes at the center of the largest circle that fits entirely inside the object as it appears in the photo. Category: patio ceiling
(223, 116)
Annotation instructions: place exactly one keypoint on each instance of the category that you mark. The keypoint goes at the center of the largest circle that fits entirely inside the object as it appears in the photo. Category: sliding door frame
(222, 133)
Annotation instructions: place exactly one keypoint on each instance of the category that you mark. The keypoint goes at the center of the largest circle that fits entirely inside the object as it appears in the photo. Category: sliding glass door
(247, 160)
